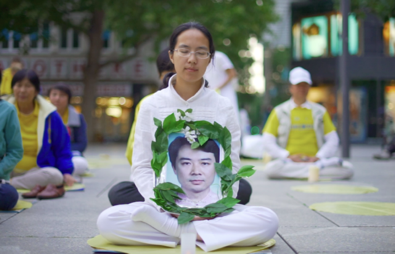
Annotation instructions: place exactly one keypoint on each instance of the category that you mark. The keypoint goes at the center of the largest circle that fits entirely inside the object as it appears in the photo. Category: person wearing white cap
(300, 133)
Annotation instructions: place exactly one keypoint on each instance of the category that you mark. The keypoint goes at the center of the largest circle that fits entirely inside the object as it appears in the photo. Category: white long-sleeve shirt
(206, 104)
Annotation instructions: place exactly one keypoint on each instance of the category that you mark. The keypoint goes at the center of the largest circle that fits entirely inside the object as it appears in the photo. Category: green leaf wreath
(197, 134)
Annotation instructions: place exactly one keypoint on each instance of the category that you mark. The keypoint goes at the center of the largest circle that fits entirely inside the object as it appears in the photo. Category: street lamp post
(345, 81)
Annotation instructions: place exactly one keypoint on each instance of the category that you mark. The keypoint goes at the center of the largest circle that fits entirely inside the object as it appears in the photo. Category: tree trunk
(91, 71)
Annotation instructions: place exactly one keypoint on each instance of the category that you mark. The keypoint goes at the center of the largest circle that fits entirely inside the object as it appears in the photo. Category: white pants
(286, 169)
(36, 176)
(246, 226)
(80, 165)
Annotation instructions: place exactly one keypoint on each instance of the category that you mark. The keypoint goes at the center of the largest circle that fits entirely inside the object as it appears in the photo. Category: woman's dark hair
(209, 147)
(180, 29)
(163, 62)
(62, 88)
(30, 75)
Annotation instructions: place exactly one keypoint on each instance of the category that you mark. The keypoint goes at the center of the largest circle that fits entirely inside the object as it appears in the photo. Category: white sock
(161, 221)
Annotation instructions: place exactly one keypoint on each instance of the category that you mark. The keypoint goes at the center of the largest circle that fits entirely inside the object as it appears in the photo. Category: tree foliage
(385, 9)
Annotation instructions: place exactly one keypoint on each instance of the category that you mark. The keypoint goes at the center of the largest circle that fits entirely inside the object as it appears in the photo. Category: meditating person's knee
(80, 165)
(54, 175)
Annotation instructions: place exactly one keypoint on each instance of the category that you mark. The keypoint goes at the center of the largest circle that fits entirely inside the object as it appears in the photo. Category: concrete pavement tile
(280, 247)
(340, 239)
(50, 245)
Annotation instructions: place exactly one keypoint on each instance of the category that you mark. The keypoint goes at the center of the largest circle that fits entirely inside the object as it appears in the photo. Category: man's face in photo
(195, 169)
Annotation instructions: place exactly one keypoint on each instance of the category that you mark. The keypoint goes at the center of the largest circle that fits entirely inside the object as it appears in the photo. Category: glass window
(76, 40)
(17, 38)
(336, 35)
(106, 39)
(314, 37)
(5, 37)
(33, 40)
(389, 37)
(63, 37)
(46, 35)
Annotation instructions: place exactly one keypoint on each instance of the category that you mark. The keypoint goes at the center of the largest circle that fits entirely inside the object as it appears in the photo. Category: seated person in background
(60, 96)
(7, 74)
(46, 161)
(11, 152)
(300, 133)
(195, 171)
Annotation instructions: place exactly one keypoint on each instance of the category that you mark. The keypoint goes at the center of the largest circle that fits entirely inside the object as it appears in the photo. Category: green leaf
(168, 196)
(223, 172)
(162, 158)
(185, 218)
(189, 110)
(202, 139)
(160, 144)
(225, 140)
(195, 145)
(182, 113)
(227, 162)
(216, 208)
(169, 186)
(158, 122)
(171, 125)
(246, 171)
(208, 129)
(228, 201)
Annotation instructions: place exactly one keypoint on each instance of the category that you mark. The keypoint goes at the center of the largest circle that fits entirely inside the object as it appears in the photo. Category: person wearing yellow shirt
(5, 86)
(299, 134)
(46, 164)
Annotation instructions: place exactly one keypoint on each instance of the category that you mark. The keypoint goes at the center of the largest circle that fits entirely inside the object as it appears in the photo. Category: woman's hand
(69, 179)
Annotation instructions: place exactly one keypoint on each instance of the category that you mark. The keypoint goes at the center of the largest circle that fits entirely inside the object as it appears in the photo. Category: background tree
(136, 22)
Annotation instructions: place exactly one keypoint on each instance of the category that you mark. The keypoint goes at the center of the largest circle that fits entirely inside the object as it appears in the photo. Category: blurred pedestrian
(46, 161)
(11, 152)
(60, 96)
(222, 77)
(299, 134)
(7, 74)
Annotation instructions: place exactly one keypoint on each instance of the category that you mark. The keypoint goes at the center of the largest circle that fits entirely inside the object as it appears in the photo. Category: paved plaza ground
(64, 225)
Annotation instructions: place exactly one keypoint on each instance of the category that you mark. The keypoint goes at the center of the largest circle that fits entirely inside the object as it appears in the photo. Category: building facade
(316, 46)
(60, 57)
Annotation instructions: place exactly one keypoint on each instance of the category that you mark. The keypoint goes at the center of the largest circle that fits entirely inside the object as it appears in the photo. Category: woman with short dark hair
(46, 161)
(60, 96)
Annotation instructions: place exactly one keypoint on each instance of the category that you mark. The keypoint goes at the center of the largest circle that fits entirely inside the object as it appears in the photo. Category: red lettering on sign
(39, 67)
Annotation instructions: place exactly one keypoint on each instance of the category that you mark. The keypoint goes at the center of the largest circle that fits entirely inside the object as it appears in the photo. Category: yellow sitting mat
(356, 208)
(100, 242)
(22, 205)
(75, 187)
(335, 189)
(87, 174)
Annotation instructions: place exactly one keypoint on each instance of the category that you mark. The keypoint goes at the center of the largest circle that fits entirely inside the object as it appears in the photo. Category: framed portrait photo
(193, 170)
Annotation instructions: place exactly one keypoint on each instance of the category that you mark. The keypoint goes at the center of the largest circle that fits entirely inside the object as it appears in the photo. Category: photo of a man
(195, 171)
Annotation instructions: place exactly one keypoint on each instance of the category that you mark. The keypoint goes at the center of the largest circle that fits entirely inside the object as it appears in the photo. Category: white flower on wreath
(190, 135)
(187, 117)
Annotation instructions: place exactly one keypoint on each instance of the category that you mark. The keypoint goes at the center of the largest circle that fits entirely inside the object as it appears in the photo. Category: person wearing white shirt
(143, 223)
(222, 77)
